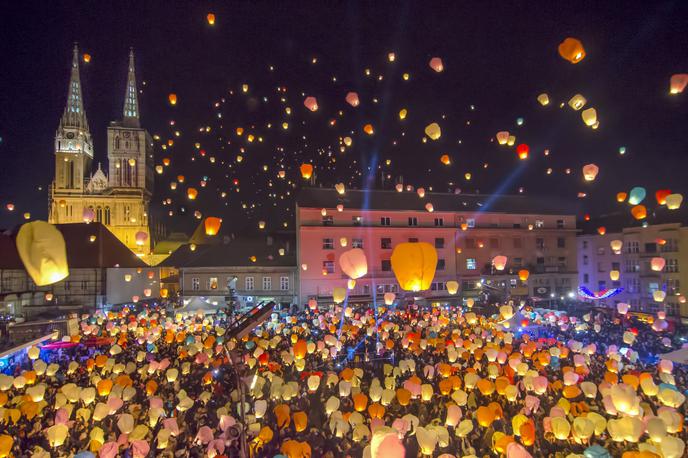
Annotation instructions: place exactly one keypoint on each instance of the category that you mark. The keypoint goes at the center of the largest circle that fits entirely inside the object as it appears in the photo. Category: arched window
(117, 142)
(99, 214)
(107, 216)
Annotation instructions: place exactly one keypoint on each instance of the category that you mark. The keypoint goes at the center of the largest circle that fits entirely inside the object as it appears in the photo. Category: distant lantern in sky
(436, 64)
(352, 99)
(601, 230)
(511, 141)
(639, 212)
(577, 102)
(172, 98)
(636, 195)
(368, 129)
(572, 50)
(502, 137)
(522, 150)
(621, 196)
(589, 117)
(673, 201)
(421, 192)
(433, 131)
(616, 246)
(445, 159)
(192, 193)
(678, 83)
(429, 207)
(306, 170)
(402, 113)
(543, 99)
(87, 58)
(661, 196)
(341, 188)
(141, 237)
(590, 172)
(348, 141)
(210, 18)
(212, 225)
(311, 103)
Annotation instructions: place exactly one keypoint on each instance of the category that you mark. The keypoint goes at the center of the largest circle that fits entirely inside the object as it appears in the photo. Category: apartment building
(468, 231)
(596, 259)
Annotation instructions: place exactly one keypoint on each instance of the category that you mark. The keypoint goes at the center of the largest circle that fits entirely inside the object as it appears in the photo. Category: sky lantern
(511, 141)
(352, 99)
(614, 275)
(414, 265)
(499, 262)
(523, 275)
(141, 237)
(661, 196)
(421, 192)
(354, 263)
(210, 18)
(87, 58)
(172, 98)
(621, 196)
(212, 225)
(639, 212)
(577, 102)
(368, 129)
(673, 201)
(341, 189)
(338, 295)
(433, 131)
(543, 99)
(348, 141)
(601, 230)
(589, 117)
(657, 264)
(436, 64)
(192, 193)
(636, 195)
(571, 49)
(311, 103)
(429, 207)
(590, 172)
(678, 83)
(522, 151)
(42, 250)
(616, 246)
(502, 137)
(445, 159)
(658, 295)
(402, 113)
(306, 170)
(452, 287)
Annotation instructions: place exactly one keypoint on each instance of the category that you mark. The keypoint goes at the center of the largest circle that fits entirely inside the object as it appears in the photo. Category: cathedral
(118, 199)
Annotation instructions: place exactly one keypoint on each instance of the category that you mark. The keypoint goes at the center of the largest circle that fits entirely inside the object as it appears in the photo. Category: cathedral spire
(74, 114)
(131, 101)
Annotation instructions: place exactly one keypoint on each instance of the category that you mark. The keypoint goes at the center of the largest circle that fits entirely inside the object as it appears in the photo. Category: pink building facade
(466, 230)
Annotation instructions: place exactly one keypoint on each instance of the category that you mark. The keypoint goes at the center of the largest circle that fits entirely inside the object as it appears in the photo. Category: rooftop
(622, 219)
(442, 202)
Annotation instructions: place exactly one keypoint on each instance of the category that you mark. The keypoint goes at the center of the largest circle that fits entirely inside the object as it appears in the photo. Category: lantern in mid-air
(354, 263)
(543, 99)
(414, 265)
(577, 102)
(589, 116)
(661, 196)
(436, 64)
(352, 99)
(192, 193)
(212, 225)
(621, 196)
(639, 212)
(522, 150)
(368, 129)
(311, 103)
(616, 246)
(673, 201)
(499, 262)
(172, 98)
(502, 137)
(42, 250)
(141, 237)
(210, 18)
(523, 275)
(445, 159)
(678, 83)
(306, 170)
(452, 286)
(657, 264)
(590, 172)
(433, 131)
(636, 195)
(572, 50)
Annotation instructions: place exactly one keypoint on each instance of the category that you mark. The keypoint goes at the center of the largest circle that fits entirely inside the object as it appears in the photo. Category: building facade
(120, 199)
(597, 259)
(467, 231)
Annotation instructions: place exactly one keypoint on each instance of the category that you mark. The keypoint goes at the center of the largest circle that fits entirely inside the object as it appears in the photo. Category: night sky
(497, 56)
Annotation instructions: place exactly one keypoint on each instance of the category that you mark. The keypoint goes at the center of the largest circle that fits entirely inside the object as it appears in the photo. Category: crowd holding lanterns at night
(358, 231)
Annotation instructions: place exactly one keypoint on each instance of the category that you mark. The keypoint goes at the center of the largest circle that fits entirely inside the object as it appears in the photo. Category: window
(671, 266)
(632, 285)
(673, 286)
(494, 243)
(327, 220)
(284, 283)
(195, 284)
(328, 244)
(631, 265)
(470, 243)
(601, 285)
(413, 239)
(385, 221)
(107, 216)
(539, 243)
(585, 244)
(633, 247)
(267, 283)
(470, 222)
(356, 220)
(438, 286)
(540, 260)
(560, 224)
(616, 266)
(439, 242)
(518, 242)
(212, 283)
(440, 264)
(386, 243)
(600, 251)
(600, 267)
(586, 261)
(650, 248)
(518, 262)
(248, 283)
(669, 246)
(561, 261)
(386, 265)
(672, 309)
(471, 264)
(586, 278)
(412, 221)
(561, 242)
(517, 226)
(439, 221)
(356, 243)
(328, 267)
(468, 285)
(539, 223)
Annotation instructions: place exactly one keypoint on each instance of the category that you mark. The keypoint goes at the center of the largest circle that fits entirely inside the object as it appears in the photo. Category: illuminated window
(470, 222)
(248, 283)
(267, 283)
(471, 264)
(328, 267)
(356, 243)
(212, 283)
(328, 244)
(284, 283)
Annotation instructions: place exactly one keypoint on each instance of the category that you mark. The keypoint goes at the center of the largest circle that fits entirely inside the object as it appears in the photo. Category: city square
(376, 230)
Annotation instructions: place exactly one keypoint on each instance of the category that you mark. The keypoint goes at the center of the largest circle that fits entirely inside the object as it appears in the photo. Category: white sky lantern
(506, 311)
(433, 131)
(502, 137)
(657, 264)
(511, 140)
(543, 99)
(354, 263)
(577, 102)
(614, 275)
(658, 295)
(616, 246)
(673, 201)
(421, 192)
(341, 189)
(429, 207)
(389, 298)
(340, 207)
(427, 440)
(323, 212)
(590, 172)
(622, 308)
(343, 242)
(338, 295)
(589, 117)
(452, 286)
(499, 262)
(42, 250)
(350, 284)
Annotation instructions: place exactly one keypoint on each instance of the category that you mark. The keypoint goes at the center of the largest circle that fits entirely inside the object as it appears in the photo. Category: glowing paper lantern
(445, 159)
(306, 170)
(389, 298)
(502, 137)
(589, 117)
(433, 131)
(141, 238)
(368, 129)
(311, 103)
(353, 263)
(614, 275)
(191, 193)
(172, 98)
(657, 264)
(661, 196)
(616, 246)
(571, 49)
(338, 295)
(621, 196)
(522, 150)
(622, 308)
(402, 113)
(658, 295)
(560, 427)
(673, 201)
(210, 18)
(352, 99)
(452, 286)
(523, 275)
(42, 250)
(499, 262)
(678, 83)
(212, 225)
(414, 265)
(639, 212)
(543, 99)
(429, 207)
(637, 195)
(590, 172)
(577, 102)
(436, 64)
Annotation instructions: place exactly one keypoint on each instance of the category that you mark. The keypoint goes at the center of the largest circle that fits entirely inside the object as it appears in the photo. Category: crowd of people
(349, 382)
